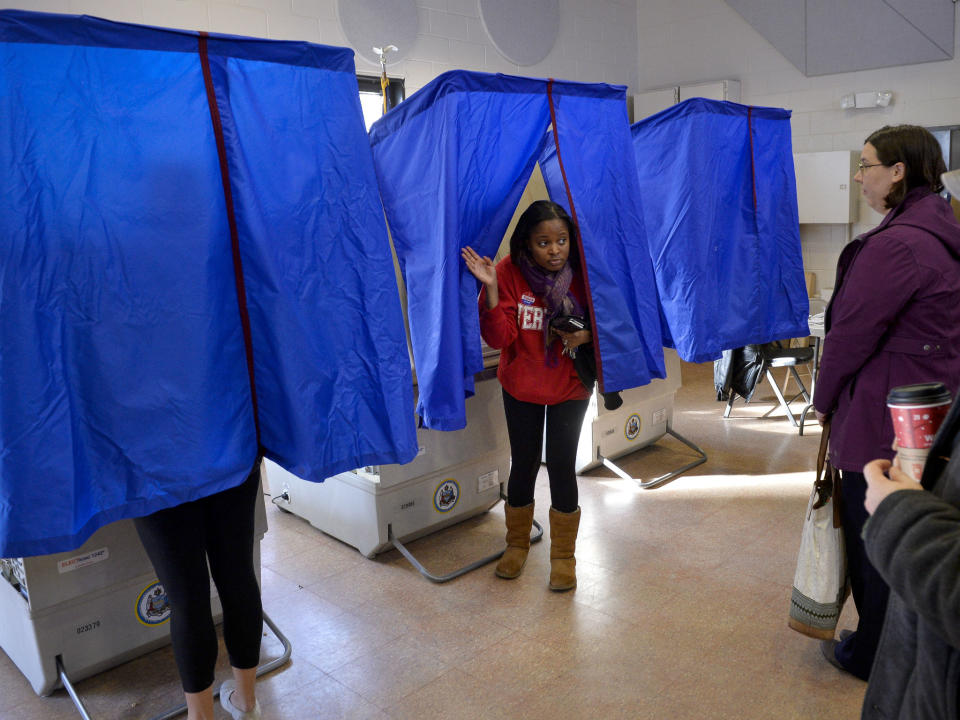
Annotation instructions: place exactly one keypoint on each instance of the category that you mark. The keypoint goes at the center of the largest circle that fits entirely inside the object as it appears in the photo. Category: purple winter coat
(894, 319)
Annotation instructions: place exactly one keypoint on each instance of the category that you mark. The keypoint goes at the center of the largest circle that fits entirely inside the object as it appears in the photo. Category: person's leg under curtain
(229, 518)
(175, 543)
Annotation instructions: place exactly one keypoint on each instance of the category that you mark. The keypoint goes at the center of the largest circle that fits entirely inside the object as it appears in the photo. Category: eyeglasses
(861, 166)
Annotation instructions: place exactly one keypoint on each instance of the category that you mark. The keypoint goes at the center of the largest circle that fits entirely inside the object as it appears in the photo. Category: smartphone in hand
(568, 323)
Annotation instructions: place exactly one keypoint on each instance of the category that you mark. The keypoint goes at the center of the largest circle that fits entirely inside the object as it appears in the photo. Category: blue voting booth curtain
(594, 137)
(720, 207)
(129, 270)
(452, 162)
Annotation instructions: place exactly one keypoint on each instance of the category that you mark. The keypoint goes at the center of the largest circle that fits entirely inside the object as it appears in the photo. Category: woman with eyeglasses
(894, 319)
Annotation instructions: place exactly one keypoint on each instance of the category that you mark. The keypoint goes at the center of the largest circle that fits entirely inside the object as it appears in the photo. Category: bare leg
(244, 697)
(200, 705)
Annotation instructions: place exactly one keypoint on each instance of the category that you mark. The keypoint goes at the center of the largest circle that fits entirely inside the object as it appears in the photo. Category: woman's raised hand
(485, 271)
(482, 268)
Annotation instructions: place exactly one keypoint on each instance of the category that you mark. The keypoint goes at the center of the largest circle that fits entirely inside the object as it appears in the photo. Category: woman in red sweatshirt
(538, 283)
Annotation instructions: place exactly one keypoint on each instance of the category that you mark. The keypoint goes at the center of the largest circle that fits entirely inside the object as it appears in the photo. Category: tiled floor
(680, 611)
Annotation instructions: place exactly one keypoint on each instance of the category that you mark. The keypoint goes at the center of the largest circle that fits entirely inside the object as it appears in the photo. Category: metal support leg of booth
(662, 479)
(68, 686)
(466, 568)
(180, 709)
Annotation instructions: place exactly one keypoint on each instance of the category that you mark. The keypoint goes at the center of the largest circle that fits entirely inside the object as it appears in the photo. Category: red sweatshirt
(515, 327)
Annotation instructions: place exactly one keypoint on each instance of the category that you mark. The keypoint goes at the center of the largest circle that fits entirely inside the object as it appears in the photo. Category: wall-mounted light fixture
(877, 98)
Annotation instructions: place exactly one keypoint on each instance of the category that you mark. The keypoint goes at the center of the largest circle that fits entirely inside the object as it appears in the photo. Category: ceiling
(822, 37)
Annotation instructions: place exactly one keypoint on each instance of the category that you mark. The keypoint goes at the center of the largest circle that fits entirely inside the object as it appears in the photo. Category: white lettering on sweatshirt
(530, 318)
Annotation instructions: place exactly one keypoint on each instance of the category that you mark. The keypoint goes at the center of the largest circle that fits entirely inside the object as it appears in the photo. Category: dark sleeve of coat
(913, 539)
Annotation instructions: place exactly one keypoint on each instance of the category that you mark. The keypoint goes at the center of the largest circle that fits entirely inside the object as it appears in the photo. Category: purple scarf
(554, 289)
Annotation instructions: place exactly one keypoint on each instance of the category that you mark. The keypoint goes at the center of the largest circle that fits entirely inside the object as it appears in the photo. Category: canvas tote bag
(820, 582)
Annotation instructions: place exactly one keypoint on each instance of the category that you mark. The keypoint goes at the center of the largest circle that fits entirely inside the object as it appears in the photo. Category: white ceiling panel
(781, 22)
(822, 37)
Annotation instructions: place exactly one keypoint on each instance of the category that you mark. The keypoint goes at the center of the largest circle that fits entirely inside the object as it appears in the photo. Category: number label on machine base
(488, 480)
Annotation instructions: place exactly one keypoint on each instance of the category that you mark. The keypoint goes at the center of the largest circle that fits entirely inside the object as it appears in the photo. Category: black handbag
(584, 360)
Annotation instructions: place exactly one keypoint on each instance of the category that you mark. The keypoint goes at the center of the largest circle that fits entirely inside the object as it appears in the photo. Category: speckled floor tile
(680, 610)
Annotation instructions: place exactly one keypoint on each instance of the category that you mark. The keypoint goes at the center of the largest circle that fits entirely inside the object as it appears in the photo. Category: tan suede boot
(563, 543)
(519, 521)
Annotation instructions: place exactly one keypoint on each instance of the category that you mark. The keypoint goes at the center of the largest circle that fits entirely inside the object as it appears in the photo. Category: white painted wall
(597, 38)
(684, 41)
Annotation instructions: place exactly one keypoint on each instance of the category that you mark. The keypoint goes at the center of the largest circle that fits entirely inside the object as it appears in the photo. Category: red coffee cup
(917, 412)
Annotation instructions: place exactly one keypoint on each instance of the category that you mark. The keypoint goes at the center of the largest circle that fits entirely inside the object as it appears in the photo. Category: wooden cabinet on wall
(826, 192)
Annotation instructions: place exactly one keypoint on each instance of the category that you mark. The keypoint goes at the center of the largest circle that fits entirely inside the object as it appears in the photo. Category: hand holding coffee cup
(883, 478)
(917, 412)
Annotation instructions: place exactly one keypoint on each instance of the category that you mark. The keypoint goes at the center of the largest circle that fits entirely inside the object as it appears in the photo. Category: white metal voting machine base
(645, 416)
(456, 475)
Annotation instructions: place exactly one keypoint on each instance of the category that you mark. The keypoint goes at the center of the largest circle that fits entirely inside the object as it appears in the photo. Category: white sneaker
(226, 690)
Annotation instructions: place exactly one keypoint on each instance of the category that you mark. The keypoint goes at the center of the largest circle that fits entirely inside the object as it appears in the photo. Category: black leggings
(525, 428)
(179, 542)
